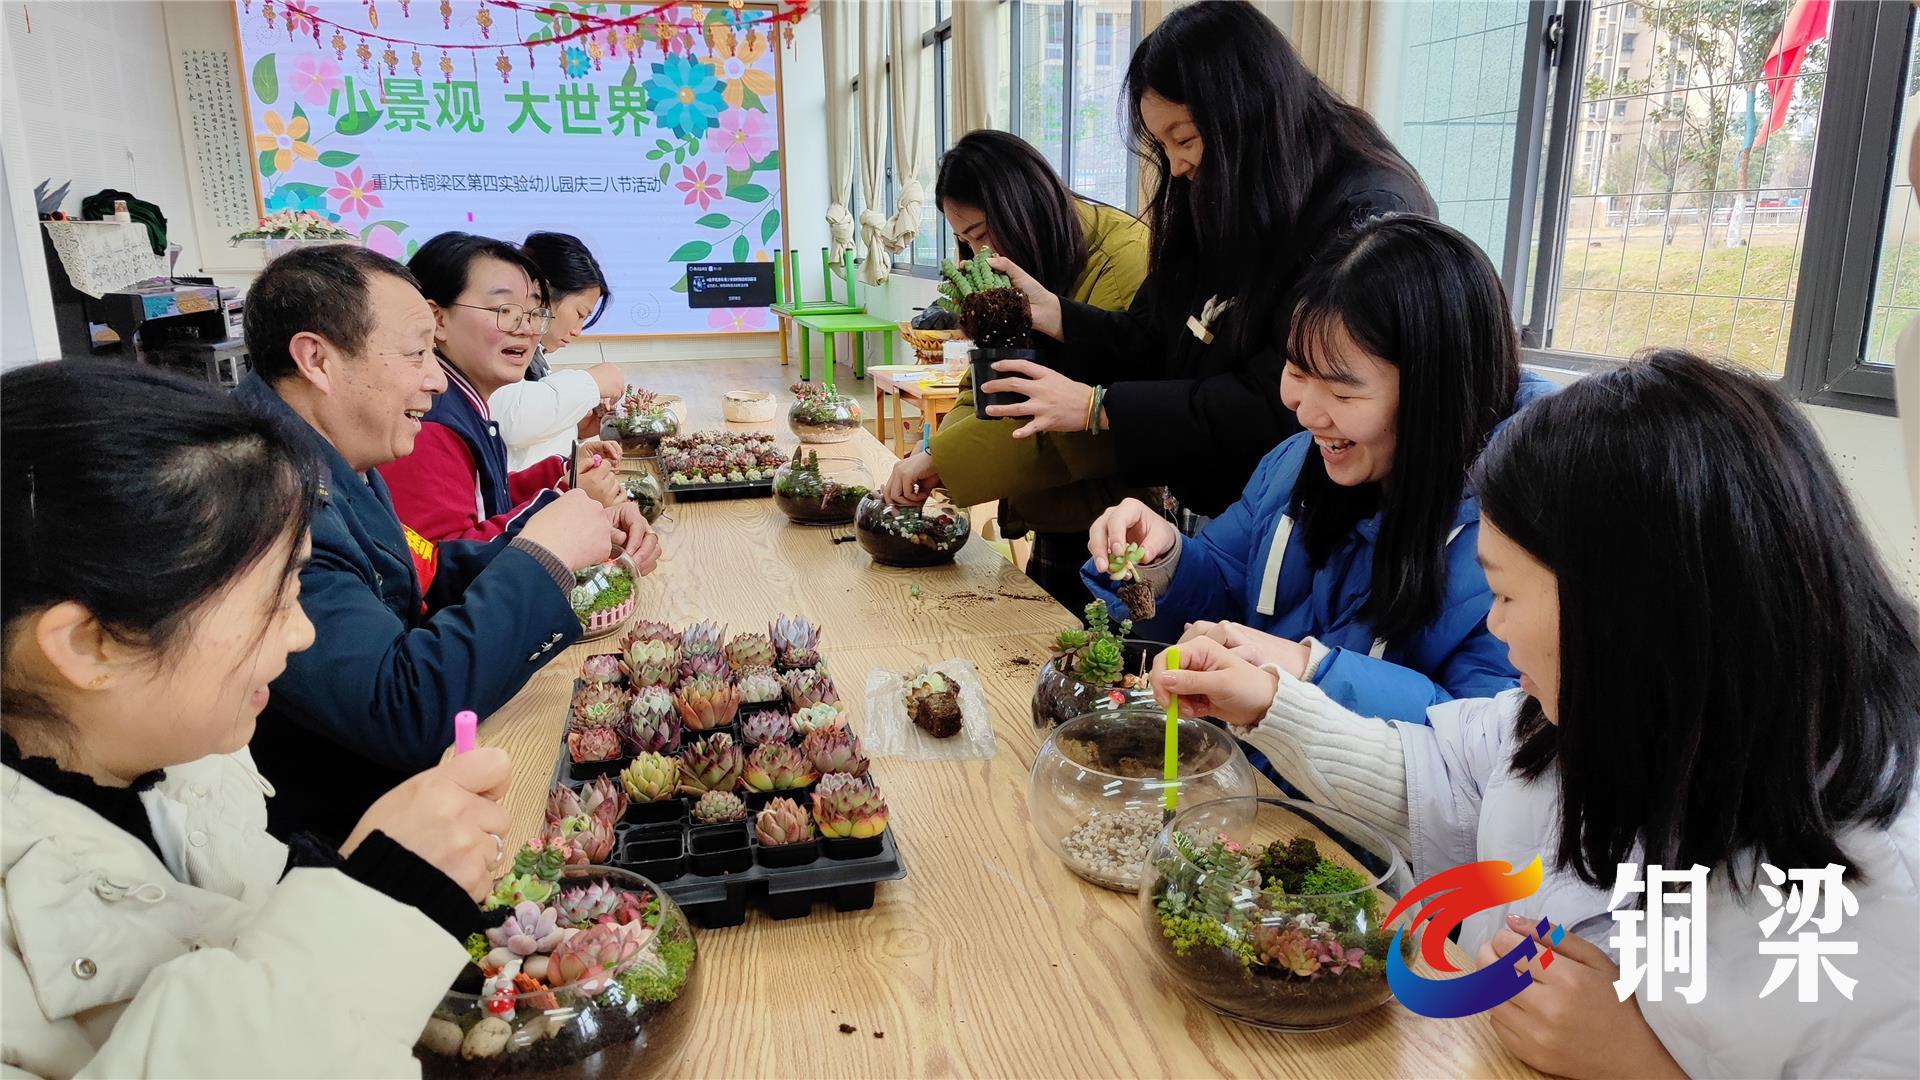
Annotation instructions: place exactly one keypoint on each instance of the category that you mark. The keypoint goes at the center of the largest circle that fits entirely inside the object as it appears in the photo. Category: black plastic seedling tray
(745, 489)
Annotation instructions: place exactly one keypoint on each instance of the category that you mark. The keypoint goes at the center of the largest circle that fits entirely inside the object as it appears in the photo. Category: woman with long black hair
(1716, 672)
(1259, 165)
(999, 193)
(1349, 558)
(541, 415)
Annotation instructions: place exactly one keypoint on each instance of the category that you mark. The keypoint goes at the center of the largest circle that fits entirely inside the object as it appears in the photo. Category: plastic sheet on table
(890, 733)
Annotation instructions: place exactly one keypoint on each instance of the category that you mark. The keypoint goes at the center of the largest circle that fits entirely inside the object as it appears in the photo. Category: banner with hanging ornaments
(650, 131)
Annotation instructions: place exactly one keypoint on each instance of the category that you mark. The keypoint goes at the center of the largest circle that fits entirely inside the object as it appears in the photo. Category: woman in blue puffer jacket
(1349, 559)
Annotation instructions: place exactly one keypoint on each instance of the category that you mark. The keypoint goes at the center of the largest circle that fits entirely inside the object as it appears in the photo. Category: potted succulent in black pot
(996, 317)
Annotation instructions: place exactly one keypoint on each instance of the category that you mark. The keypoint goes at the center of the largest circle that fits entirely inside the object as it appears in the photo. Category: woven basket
(926, 343)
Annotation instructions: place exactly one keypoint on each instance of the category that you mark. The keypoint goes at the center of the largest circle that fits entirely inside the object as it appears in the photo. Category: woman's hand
(1212, 681)
(590, 425)
(1571, 1022)
(608, 449)
(913, 479)
(1131, 522)
(1054, 402)
(611, 381)
(633, 537)
(1256, 647)
(1045, 305)
(450, 816)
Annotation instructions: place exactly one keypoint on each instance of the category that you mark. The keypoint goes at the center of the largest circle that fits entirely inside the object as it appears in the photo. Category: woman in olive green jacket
(998, 192)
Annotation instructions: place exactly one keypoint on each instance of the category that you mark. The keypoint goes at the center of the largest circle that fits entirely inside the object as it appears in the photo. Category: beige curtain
(976, 65)
(909, 17)
(1334, 38)
(834, 24)
(876, 266)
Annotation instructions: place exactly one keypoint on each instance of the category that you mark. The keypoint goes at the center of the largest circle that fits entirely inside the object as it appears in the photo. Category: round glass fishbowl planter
(925, 535)
(824, 418)
(1060, 693)
(819, 490)
(642, 485)
(1098, 788)
(641, 435)
(622, 1019)
(1272, 911)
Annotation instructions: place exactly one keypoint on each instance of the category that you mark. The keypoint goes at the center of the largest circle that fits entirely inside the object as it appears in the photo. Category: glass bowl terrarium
(1098, 787)
(813, 490)
(587, 974)
(1272, 911)
(821, 414)
(639, 420)
(643, 487)
(1093, 668)
(924, 535)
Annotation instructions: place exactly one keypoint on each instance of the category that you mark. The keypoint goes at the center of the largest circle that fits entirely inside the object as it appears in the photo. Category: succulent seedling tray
(745, 489)
(716, 872)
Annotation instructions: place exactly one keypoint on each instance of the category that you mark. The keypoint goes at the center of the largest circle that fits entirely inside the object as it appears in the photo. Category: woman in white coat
(542, 414)
(152, 544)
(1716, 671)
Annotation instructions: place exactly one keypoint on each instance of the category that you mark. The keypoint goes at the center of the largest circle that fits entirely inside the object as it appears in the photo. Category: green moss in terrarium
(600, 589)
(656, 986)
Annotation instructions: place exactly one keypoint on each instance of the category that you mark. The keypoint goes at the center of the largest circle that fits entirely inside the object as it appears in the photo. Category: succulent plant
(717, 807)
(834, 781)
(750, 650)
(712, 764)
(810, 686)
(766, 727)
(993, 313)
(651, 630)
(795, 642)
(933, 703)
(650, 663)
(853, 812)
(651, 778)
(702, 639)
(529, 931)
(1094, 653)
(782, 822)
(834, 750)
(1302, 951)
(758, 685)
(1124, 570)
(695, 666)
(587, 960)
(775, 766)
(825, 715)
(1100, 663)
(534, 877)
(601, 668)
(584, 905)
(598, 705)
(706, 702)
(591, 744)
(652, 734)
(602, 798)
(585, 838)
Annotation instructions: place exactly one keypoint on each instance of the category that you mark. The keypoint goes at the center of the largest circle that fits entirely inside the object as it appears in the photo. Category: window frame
(1851, 180)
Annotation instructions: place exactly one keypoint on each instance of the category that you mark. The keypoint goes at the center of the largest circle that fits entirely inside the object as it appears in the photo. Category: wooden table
(933, 402)
(991, 957)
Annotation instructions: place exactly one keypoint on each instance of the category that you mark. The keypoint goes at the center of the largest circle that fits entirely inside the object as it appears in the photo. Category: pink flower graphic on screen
(745, 137)
(701, 185)
(737, 320)
(384, 240)
(315, 78)
(354, 192)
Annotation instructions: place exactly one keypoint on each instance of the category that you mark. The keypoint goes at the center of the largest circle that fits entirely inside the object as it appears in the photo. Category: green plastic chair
(826, 317)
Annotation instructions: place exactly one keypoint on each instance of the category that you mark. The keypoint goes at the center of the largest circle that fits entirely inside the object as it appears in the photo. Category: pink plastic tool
(465, 724)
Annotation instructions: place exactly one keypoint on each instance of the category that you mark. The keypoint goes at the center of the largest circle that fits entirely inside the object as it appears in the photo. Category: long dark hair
(1030, 212)
(1424, 298)
(1738, 674)
(142, 505)
(1273, 135)
(568, 267)
(442, 263)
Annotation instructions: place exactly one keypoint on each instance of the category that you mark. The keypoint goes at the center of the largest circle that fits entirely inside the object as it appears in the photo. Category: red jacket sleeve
(535, 478)
(435, 490)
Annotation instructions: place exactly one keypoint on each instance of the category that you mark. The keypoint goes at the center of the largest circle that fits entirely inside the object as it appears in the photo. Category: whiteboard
(656, 145)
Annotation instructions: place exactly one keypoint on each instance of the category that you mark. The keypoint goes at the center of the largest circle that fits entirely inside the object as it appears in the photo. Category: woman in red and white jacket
(489, 304)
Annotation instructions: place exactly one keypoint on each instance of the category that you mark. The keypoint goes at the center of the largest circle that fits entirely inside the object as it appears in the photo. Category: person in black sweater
(1261, 164)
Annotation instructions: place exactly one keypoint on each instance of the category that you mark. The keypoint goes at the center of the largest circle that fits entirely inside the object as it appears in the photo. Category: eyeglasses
(511, 317)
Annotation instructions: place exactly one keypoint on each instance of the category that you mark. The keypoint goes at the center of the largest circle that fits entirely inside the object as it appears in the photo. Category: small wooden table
(901, 381)
(991, 958)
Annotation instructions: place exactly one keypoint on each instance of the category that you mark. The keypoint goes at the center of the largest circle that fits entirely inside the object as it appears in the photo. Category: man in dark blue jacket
(406, 632)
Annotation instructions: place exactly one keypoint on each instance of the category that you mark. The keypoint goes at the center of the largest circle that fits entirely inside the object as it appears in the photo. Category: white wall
(16, 320)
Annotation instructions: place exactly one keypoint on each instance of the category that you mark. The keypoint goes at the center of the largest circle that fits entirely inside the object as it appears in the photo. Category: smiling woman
(490, 309)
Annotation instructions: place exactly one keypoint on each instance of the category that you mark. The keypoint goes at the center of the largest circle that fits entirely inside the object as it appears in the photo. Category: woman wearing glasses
(489, 304)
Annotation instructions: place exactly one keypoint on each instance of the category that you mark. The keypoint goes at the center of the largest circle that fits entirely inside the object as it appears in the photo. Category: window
(1790, 245)
(1068, 63)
